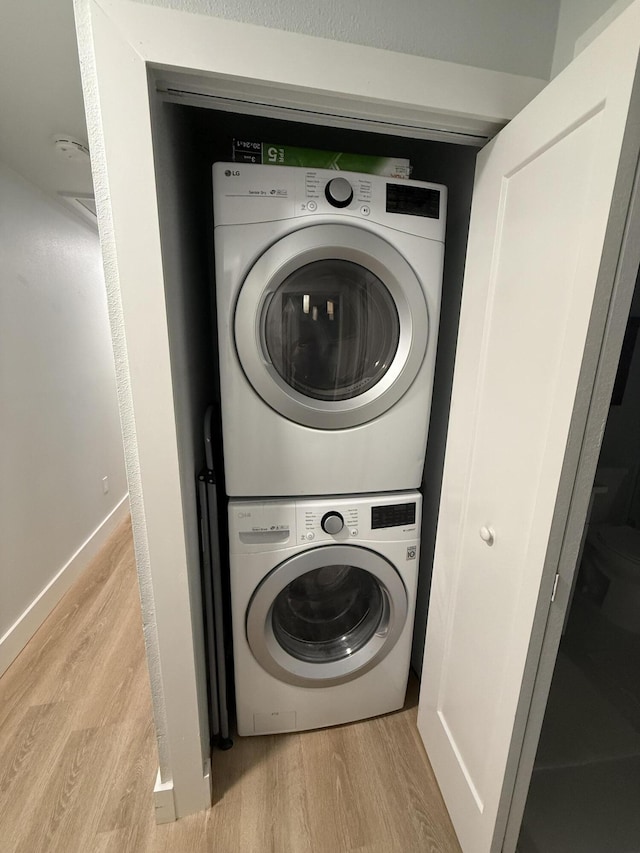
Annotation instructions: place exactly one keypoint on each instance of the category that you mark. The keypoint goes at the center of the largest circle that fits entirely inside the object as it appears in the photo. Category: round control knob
(332, 522)
(339, 192)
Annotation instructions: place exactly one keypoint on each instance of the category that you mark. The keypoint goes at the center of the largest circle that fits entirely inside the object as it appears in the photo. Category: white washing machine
(328, 296)
(322, 599)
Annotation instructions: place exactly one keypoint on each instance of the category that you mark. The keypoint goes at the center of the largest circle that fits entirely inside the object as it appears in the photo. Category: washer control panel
(327, 521)
(272, 525)
(375, 518)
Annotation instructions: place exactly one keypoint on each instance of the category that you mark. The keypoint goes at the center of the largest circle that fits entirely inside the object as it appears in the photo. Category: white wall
(59, 425)
(41, 93)
(515, 36)
(575, 18)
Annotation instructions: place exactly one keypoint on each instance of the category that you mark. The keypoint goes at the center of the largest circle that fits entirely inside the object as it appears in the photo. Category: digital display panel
(393, 515)
(413, 201)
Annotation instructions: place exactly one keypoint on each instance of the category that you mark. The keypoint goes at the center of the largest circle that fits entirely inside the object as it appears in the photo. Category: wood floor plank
(417, 799)
(332, 775)
(289, 815)
(56, 814)
(78, 755)
(40, 742)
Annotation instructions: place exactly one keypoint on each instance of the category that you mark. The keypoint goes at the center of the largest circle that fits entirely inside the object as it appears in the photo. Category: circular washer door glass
(331, 329)
(328, 614)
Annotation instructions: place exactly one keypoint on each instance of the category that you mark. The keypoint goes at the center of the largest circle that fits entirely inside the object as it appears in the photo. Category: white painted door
(540, 226)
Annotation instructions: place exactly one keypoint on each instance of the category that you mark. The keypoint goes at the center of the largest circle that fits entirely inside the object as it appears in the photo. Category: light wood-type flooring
(78, 758)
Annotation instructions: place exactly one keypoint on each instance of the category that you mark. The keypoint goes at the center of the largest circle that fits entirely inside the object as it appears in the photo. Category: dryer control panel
(247, 193)
(277, 524)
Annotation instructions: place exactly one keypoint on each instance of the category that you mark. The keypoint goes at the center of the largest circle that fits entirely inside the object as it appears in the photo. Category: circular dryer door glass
(328, 614)
(331, 325)
(332, 330)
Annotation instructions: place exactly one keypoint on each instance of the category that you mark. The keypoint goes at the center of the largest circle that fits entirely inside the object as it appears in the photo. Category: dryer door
(331, 326)
(327, 615)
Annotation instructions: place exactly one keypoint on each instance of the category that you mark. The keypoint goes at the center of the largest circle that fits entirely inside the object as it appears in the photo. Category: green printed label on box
(273, 154)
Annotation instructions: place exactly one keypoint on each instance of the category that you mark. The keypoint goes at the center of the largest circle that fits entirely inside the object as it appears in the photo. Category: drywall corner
(579, 22)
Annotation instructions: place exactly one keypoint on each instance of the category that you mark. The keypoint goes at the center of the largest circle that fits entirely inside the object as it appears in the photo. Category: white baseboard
(163, 800)
(19, 634)
(164, 797)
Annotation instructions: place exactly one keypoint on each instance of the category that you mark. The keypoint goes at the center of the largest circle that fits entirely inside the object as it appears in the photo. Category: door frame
(120, 42)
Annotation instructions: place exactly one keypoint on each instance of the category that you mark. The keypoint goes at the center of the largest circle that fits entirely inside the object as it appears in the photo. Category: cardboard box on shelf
(272, 154)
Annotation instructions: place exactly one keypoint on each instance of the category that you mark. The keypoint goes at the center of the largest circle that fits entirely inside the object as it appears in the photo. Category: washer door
(327, 615)
(331, 326)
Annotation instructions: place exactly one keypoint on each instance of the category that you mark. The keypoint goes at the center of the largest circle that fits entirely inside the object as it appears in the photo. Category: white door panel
(542, 202)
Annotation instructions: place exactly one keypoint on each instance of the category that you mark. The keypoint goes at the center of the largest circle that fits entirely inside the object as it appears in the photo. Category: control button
(354, 531)
(332, 522)
(311, 535)
(312, 205)
(339, 192)
(365, 210)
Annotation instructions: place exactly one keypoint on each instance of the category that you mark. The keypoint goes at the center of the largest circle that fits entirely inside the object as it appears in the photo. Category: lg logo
(232, 174)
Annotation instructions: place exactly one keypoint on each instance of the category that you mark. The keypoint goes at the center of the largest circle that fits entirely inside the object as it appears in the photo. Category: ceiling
(41, 94)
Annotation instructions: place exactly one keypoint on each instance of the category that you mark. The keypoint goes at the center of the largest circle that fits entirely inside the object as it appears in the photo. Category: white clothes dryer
(328, 298)
(322, 600)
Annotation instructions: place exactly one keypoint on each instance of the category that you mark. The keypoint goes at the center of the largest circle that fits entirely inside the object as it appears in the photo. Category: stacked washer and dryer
(328, 298)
